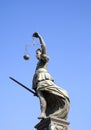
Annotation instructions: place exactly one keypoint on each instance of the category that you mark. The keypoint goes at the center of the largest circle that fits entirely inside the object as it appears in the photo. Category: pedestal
(52, 123)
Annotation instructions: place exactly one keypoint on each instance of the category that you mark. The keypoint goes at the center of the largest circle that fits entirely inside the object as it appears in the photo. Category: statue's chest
(41, 64)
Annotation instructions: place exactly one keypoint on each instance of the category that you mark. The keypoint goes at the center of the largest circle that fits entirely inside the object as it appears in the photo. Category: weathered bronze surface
(54, 100)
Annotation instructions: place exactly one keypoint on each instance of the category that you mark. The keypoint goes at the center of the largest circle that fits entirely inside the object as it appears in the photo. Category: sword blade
(22, 85)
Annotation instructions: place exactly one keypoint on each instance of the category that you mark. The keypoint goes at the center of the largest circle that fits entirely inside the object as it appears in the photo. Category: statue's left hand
(35, 35)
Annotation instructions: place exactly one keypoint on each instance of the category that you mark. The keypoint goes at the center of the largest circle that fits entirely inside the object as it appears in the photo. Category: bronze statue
(54, 100)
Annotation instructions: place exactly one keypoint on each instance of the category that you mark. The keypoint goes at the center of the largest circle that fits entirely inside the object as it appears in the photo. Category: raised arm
(43, 47)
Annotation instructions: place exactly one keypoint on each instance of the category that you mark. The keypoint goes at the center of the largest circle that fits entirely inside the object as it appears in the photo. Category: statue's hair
(39, 49)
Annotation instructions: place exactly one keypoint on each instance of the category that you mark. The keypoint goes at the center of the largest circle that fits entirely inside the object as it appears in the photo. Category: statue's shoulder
(45, 57)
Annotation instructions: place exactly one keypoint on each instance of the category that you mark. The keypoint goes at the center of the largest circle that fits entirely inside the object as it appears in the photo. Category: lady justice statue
(54, 100)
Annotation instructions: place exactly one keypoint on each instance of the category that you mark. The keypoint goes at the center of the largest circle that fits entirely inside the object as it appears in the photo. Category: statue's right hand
(35, 94)
(35, 35)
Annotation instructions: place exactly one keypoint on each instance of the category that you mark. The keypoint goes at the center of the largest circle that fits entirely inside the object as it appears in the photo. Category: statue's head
(38, 53)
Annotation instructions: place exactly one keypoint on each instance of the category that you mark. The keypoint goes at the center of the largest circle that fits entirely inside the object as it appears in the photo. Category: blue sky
(66, 28)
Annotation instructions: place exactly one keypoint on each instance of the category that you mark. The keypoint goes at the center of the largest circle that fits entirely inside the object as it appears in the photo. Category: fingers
(35, 34)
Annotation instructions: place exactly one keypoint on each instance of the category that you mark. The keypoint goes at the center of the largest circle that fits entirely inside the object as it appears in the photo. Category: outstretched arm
(43, 47)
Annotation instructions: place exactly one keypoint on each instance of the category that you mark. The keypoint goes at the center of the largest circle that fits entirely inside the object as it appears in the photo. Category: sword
(23, 86)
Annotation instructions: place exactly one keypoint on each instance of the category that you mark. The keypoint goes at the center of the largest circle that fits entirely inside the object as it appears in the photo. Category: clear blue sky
(66, 28)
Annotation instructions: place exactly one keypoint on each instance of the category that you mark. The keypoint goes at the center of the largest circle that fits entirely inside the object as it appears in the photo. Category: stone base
(52, 123)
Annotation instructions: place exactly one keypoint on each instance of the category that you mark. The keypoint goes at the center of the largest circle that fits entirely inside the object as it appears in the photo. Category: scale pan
(26, 57)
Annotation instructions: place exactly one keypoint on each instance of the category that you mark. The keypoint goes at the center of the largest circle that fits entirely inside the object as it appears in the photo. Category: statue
(54, 100)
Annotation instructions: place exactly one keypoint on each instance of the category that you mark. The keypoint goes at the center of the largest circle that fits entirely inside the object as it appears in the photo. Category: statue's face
(38, 54)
